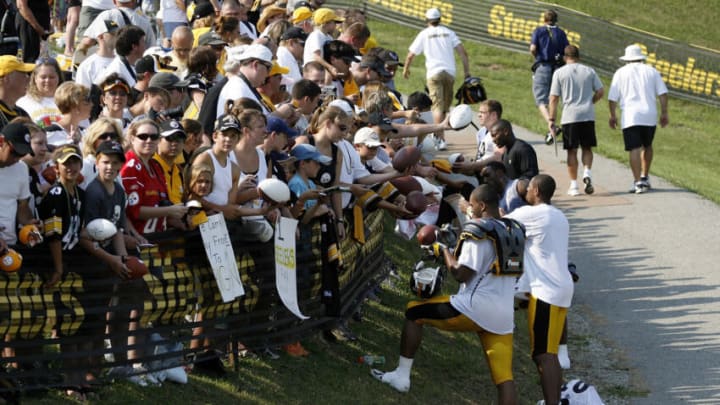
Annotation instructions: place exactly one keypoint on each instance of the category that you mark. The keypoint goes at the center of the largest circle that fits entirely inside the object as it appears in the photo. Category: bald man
(182, 40)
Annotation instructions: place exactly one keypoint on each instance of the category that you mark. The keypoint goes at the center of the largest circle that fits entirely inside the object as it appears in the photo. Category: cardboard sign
(220, 253)
(285, 264)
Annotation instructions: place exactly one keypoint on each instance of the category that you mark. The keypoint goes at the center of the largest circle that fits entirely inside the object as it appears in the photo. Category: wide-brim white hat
(633, 53)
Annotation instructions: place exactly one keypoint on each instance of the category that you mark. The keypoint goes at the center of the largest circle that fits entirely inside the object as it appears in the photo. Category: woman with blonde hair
(328, 126)
(39, 102)
(103, 129)
(75, 105)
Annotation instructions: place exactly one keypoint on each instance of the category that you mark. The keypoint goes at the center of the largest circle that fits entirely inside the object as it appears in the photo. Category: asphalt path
(649, 272)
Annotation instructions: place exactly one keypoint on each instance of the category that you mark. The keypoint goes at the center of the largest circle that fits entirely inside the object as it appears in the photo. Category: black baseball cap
(376, 64)
(146, 64)
(227, 121)
(165, 80)
(390, 57)
(18, 135)
(111, 148)
(294, 33)
(202, 10)
(171, 127)
(379, 119)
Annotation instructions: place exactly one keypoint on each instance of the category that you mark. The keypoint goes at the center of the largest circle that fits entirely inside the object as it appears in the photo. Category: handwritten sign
(220, 253)
(285, 264)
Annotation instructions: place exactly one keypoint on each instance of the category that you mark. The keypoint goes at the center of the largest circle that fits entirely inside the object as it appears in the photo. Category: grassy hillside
(688, 21)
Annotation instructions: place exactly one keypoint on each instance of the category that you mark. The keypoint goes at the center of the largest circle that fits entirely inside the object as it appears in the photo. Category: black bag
(9, 41)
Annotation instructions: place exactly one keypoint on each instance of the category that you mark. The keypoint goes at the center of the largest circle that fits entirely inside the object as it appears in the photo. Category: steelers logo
(133, 198)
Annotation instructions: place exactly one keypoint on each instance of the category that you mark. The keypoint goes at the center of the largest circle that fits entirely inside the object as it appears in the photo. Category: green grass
(685, 152)
(687, 21)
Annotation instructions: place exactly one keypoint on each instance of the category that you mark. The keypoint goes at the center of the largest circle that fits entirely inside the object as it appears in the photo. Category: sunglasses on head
(145, 137)
(108, 136)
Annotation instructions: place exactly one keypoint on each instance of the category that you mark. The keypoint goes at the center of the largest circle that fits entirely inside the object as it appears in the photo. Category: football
(427, 235)
(136, 267)
(416, 203)
(274, 191)
(406, 184)
(406, 157)
(30, 235)
(11, 261)
(461, 116)
(100, 229)
(49, 174)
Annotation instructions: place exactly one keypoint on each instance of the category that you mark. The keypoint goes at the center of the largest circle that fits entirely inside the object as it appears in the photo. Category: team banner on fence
(689, 71)
(221, 257)
(286, 265)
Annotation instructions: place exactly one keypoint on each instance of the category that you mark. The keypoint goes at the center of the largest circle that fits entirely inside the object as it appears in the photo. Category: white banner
(220, 253)
(285, 264)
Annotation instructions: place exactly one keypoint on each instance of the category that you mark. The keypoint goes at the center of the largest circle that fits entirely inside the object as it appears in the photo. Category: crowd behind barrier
(180, 283)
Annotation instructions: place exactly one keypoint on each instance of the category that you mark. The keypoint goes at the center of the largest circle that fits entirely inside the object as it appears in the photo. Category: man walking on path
(438, 42)
(580, 88)
(634, 87)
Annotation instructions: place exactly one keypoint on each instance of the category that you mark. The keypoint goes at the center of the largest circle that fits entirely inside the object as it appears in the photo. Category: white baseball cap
(255, 51)
(432, 14)
(366, 136)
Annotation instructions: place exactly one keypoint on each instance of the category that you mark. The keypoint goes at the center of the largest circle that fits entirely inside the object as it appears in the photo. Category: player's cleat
(646, 181)
(589, 189)
(392, 379)
(640, 187)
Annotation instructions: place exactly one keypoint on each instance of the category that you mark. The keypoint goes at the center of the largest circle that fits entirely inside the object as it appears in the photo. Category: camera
(172, 113)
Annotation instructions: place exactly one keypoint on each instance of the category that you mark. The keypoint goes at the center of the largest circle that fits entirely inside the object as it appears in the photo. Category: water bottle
(371, 360)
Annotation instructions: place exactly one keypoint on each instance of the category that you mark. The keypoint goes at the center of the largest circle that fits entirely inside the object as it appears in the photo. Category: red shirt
(145, 187)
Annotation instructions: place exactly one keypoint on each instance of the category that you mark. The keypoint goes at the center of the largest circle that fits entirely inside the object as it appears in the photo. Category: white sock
(564, 357)
(573, 183)
(404, 367)
(586, 173)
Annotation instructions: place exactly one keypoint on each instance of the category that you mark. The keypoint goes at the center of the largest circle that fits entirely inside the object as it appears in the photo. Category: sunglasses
(145, 137)
(108, 136)
(117, 93)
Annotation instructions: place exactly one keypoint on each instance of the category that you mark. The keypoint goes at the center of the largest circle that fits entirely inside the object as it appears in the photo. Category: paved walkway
(649, 273)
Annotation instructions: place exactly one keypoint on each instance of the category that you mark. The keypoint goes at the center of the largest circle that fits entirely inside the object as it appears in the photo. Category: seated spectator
(149, 208)
(39, 102)
(74, 103)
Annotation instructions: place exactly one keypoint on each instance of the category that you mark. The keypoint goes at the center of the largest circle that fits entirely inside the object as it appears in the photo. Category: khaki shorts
(440, 88)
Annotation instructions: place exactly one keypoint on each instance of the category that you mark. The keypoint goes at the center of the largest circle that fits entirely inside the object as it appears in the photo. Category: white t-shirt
(486, 299)
(170, 12)
(44, 112)
(634, 87)
(352, 167)
(98, 27)
(286, 59)
(248, 29)
(15, 182)
(486, 146)
(98, 4)
(546, 274)
(314, 42)
(234, 89)
(90, 68)
(438, 44)
(116, 66)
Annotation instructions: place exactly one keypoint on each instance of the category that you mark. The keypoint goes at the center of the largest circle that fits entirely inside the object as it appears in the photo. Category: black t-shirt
(7, 114)
(520, 161)
(101, 204)
(58, 203)
(326, 175)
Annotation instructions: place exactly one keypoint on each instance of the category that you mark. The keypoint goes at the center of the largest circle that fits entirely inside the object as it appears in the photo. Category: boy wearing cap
(94, 64)
(366, 143)
(13, 85)
(307, 165)
(15, 191)
(325, 21)
(169, 155)
(278, 138)
(438, 42)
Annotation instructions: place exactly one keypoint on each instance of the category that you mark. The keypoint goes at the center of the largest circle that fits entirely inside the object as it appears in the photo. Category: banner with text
(286, 265)
(689, 71)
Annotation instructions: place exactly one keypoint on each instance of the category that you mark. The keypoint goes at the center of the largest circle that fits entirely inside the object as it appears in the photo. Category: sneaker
(640, 188)
(442, 145)
(392, 379)
(589, 189)
(269, 353)
(296, 350)
(563, 357)
(646, 181)
(573, 191)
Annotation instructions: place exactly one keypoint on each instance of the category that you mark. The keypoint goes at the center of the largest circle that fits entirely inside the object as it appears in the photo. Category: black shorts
(638, 136)
(74, 3)
(579, 134)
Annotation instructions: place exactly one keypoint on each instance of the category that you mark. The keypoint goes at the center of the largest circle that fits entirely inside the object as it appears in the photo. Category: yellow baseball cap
(278, 70)
(301, 14)
(325, 15)
(10, 63)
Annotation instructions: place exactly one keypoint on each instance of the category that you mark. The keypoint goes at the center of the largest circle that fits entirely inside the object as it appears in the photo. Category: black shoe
(211, 366)
(549, 139)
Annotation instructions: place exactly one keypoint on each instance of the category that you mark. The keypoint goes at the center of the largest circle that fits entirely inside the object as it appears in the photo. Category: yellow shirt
(173, 177)
(350, 88)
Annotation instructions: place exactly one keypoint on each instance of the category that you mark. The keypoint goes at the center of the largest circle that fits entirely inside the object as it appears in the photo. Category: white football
(428, 148)
(101, 229)
(461, 116)
(275, 190)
